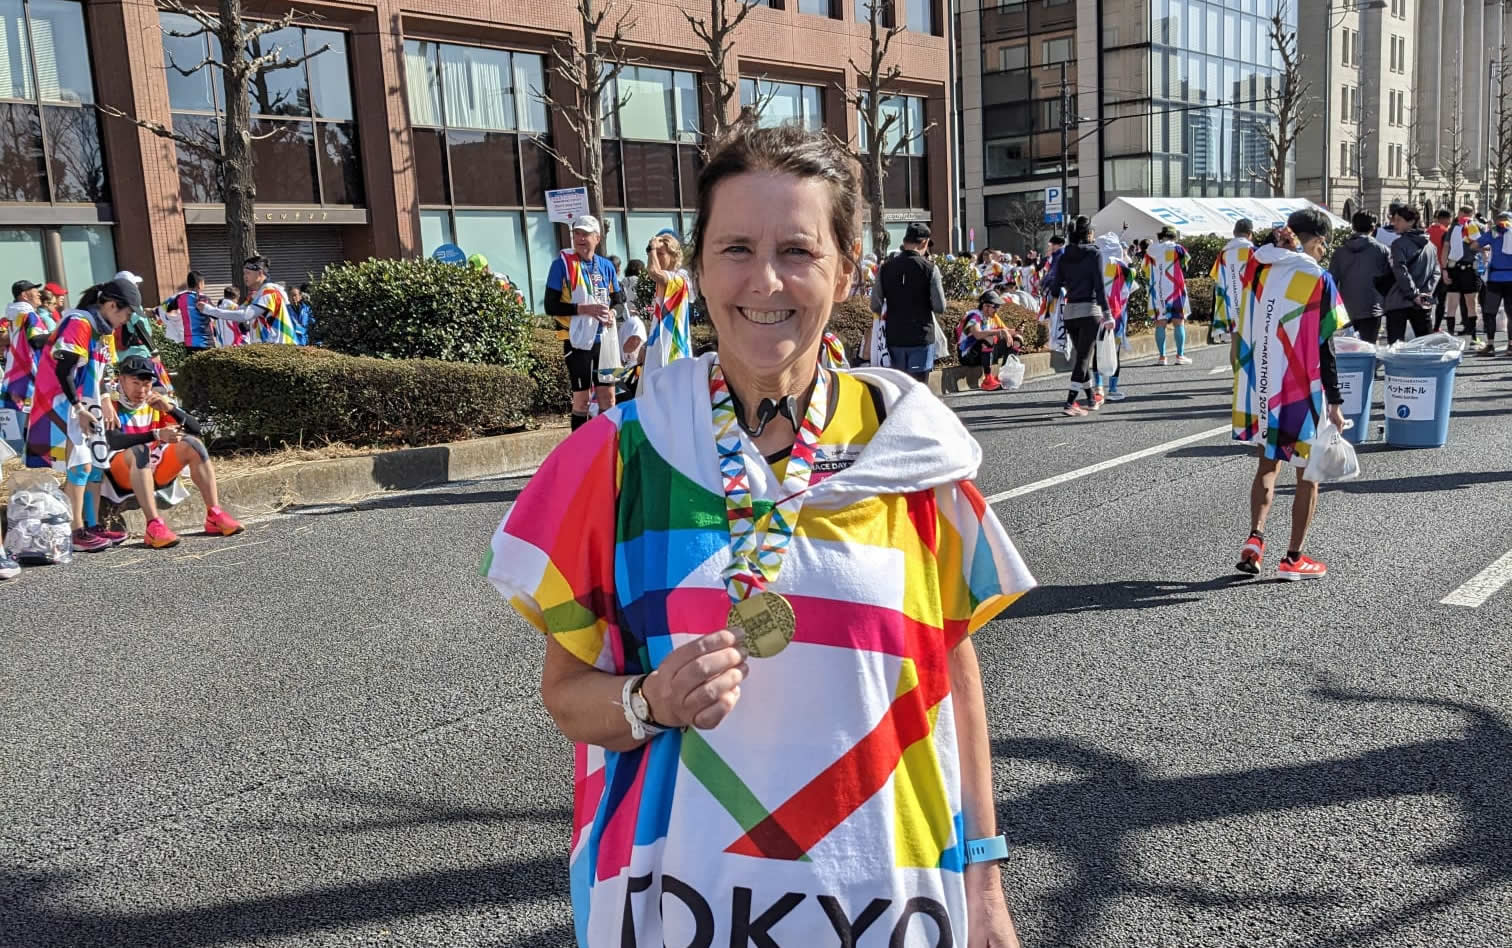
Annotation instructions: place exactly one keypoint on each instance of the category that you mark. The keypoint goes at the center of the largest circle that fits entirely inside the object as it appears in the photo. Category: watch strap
(990, 849)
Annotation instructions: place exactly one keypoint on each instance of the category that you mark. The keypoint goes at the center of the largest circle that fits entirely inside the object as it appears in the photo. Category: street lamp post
(1344, 8)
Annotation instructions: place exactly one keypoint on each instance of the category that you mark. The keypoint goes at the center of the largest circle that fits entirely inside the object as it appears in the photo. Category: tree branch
(162, 131)
(207, 21)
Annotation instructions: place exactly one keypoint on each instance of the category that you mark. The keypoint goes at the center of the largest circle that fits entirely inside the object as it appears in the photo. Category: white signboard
(1410, 398)
(566, 205)
(1354, 387)
(1052, 205)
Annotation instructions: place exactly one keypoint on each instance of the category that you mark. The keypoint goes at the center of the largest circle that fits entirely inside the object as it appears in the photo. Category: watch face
(639, 705)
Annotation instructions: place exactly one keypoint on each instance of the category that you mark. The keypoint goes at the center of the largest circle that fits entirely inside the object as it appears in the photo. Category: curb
(338, 480)
(955, 379)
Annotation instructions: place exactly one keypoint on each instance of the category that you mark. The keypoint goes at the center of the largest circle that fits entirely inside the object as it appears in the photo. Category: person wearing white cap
(583, 288)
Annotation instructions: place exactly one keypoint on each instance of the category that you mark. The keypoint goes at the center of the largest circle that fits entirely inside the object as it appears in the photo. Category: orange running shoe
(220, 523)
(990, 383)
(159, 536)
(1301, 568)
(1251, 556)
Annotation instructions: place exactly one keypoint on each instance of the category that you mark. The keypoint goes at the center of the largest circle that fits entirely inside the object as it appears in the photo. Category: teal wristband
(992, 849)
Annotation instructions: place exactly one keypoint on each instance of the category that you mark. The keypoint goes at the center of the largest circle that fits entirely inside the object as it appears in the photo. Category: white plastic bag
(1011, 374)
(1331, 458)
(1107, 351)
(39, 522)
(173, 326)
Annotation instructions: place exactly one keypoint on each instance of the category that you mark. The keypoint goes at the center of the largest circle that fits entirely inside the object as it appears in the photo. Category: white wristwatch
(638, 710)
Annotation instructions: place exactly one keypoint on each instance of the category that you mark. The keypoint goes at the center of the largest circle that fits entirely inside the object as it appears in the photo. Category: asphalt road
(327, 731)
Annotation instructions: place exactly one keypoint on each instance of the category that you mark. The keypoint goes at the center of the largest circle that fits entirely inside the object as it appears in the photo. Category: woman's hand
(698, 684)
(987, 914)
(87, 422)
(112, 420)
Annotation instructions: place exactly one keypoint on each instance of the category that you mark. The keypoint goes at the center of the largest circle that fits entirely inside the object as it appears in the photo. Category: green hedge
(420, 309)
(266, 396)
(958, 276)
(549, 372)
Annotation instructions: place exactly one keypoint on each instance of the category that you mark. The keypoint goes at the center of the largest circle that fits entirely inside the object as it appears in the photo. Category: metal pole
(1327, 98)
(1495, 64)
(1065, 168)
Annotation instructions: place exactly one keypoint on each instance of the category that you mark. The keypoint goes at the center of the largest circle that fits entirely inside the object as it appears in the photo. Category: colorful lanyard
(756, 554)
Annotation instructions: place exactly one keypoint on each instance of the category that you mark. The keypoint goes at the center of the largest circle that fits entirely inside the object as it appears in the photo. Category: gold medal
(765, 623)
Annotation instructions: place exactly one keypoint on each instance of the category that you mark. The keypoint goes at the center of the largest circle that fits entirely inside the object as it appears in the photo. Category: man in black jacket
(909, 285)
(1416, 274)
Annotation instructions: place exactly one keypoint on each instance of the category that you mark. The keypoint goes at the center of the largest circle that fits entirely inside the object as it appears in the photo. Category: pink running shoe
(220, 523)
(159, 536)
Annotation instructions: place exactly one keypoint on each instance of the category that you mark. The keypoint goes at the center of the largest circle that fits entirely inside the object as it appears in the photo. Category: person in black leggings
(1079, 273)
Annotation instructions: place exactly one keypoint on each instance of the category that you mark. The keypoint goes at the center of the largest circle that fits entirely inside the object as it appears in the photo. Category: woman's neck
(751, 388)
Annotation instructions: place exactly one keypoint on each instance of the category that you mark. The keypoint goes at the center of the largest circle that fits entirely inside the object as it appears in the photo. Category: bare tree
(1414, 158)
(248, 55)
(876, 83)
(589, 70)
(1501, 141)
(1454, 161)
(1293, 112)
(717, 34)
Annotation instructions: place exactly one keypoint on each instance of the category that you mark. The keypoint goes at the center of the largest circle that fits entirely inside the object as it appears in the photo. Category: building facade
(1171, 99)
(418, 124)
(1407, 101)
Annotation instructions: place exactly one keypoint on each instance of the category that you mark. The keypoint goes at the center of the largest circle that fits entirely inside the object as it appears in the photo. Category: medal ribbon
(757, 549)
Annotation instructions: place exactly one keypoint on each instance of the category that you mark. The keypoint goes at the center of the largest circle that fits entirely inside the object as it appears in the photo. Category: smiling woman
(760, 559)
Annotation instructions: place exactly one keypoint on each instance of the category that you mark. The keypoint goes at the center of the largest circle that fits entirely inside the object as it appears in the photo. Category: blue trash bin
(1419, 391)
(1356, 384)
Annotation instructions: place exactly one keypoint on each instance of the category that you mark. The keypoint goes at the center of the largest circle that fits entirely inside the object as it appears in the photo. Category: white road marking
(1221, 368)
(1108, 465)
(1483, 585)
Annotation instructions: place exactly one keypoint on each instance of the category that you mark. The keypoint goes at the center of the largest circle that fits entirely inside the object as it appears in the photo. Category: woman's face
(115, 313)
(770, 269)
(666, 258)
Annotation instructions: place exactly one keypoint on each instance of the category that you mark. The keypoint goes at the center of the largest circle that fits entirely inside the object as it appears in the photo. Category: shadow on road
(1122, 594)
(1093, 822)
(1422, 483)
(401, 501)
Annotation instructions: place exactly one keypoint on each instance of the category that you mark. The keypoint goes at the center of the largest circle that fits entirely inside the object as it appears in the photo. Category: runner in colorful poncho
(197, 328)
(733, 788)
(30, 328)
(1118, 283)
(66, 428)
(1284, 371)
(1228, 278)
(268, 313)
(1163, 262)
(671, 335)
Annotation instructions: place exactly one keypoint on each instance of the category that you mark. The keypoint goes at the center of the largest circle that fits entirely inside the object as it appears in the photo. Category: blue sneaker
(9, 568)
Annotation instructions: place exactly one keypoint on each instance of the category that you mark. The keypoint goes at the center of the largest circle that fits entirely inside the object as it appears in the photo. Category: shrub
(958, 276)
(172, 353)
(549, 373)
(419, 309)
(1200, 290)
(264, 396)
(1137, 313)
(852, 322)
(1203, 250)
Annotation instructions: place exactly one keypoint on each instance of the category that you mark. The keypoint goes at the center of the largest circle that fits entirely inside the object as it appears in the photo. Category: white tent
(1133, 218)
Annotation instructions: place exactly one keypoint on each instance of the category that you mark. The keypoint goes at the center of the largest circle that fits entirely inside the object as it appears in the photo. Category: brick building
(414, 129)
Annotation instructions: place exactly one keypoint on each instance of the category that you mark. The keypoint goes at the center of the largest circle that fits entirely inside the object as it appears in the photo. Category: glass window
(1013, 57)
(499, 236)
(542, 246)
(435, 230)
(920, 16)
(613, 244)
(643, 227)
(814, 7)
(192, 92)
(280, 91)
(529, 79)
(477, 84)
(88, 255)
(284, 162)
(650, 175)
(23, 174)
(430, 166)
(539, 171)
(78, 161)
(340, 164)
(784, 102)
(485, 169)
(57, 28)
(422, 83)
(649, 112)
(15, 53)
(21, 252)
(686, 84)
(199, 177)
(330, 77)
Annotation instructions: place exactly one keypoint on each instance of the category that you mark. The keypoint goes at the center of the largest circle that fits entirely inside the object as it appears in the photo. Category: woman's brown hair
(786, 149)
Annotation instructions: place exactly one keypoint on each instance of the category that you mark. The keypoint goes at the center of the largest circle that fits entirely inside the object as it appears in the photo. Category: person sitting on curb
(985, 341)
(156, 441)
